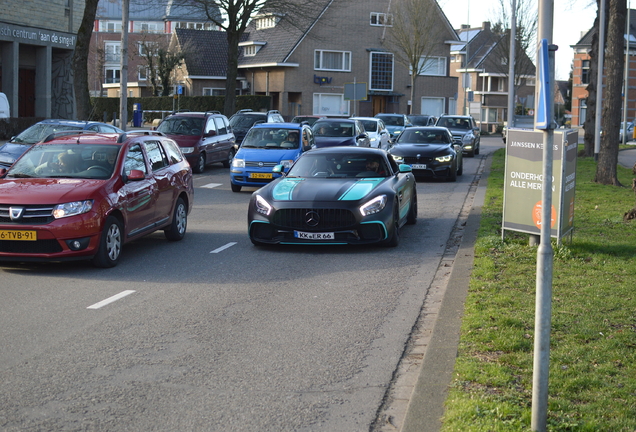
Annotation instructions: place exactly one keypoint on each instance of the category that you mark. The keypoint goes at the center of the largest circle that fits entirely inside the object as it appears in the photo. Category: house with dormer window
(480, 62)
(305, 66)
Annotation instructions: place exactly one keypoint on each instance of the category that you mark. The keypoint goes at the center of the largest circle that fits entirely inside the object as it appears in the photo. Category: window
(112, 75)
(432, 106)
(194, 25)
(381, 71)
(147, 47)
(142, 74)
(135, 160)
(172, 149)
(585, 72)
(381, 19)
(266, 22)
(249, 50)
(208, 91)
(112, 52)
(220, 125)
(330, 104)
(147, 27)
(433, 66)
(110, 26)
(582, 111)
(156, 154)
(332, 60)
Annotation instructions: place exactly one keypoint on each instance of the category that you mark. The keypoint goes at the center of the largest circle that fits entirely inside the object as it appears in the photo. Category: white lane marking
(222, 248)
(111, 299)
(212, 185)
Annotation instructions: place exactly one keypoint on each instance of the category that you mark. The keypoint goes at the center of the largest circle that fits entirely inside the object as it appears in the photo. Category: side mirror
(135, 175)
(209, 133)
(3, 172)
(278, 169)
(404, 168)
(307, 147)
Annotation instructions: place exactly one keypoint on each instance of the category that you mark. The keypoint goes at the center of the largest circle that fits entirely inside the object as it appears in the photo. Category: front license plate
(313, 236)
(261, 175)
(18, 235)
(418, 166)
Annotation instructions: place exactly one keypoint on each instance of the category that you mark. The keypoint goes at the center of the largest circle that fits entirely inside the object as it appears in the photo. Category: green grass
(592, 381)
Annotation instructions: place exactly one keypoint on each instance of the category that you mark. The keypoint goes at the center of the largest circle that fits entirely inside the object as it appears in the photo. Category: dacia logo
(15, 213)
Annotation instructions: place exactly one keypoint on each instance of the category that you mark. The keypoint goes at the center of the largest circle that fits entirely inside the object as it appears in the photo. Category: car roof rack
(124, 136)
(58, 134)
(212, 112)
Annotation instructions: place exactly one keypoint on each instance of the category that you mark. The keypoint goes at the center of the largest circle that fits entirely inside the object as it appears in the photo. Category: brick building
(581, 75)
(37, 39)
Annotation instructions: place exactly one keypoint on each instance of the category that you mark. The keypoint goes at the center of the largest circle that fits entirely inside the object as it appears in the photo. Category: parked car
(309, 119)
(377, 131)
(335, 195)
(20, 143)
(430, 152)
(265, 146)
(84, 196)
(5, 110)
(204, 137)
(422, 120)
(395, 123)
(340, 132)
(243, 120)
(464, 130)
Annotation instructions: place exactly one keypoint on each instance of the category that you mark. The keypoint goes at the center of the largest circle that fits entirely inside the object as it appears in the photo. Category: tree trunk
(232, 72)
(80, 61)
(606, 171)
(589, 125)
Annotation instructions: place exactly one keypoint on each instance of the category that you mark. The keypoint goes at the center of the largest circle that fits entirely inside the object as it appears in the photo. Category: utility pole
(511, 64)
(123, 74)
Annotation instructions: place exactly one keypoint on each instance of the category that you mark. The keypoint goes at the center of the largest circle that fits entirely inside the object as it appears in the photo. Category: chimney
(485, 25)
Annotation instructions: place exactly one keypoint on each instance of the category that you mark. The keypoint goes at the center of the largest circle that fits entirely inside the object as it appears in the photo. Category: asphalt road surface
(215, 334)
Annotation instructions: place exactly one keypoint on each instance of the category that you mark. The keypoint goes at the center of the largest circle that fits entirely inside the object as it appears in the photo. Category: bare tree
(413, 36)
(525, 39)
(606, 172)
(80, 61)
(233, 16)
(160, 60)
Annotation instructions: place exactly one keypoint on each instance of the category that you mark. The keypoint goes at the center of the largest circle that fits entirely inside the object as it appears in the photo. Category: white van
(5, 112)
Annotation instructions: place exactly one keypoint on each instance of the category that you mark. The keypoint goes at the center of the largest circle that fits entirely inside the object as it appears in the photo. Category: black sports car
(335, 195)
(430, 152)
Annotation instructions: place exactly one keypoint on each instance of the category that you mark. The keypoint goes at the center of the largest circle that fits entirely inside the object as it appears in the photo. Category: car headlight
(238, 163)
(262, 206)
(468, 138)
(446, 158)
(186, 150)
(286, 163)
(398, 159)
(373, 206)
(72, 209)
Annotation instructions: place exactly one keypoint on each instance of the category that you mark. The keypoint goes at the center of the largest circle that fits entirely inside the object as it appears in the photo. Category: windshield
(454, 123)
(90, 161)
(245, 121)
(39, 131)
(272, 138)
(412, 136)
(181, 125)
(393, 120)
(339, 166)
(333, 129)
(370, 125)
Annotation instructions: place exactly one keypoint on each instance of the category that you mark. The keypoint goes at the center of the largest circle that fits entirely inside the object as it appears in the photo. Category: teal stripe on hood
(284, 188)
(360, 189)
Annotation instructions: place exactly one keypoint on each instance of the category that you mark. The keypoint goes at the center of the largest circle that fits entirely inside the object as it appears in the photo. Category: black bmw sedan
(430, 152)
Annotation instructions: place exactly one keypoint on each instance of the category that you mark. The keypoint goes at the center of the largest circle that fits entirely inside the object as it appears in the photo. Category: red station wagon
(83, 196)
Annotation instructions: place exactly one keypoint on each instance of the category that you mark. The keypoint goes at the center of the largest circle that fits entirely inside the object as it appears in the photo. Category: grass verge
(592, 381)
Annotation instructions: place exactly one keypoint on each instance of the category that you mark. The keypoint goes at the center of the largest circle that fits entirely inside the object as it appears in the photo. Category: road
(215, 334)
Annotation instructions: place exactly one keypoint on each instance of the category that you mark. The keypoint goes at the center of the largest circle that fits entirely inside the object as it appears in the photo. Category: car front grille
(415, 160)
(30, 247)
(35, 214)
(260, 164)
(314, 219)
